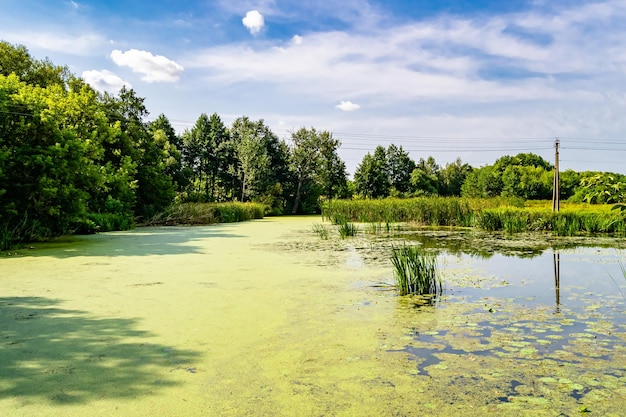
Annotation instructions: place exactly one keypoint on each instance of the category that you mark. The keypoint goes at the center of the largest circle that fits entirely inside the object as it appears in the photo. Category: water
(265, 318)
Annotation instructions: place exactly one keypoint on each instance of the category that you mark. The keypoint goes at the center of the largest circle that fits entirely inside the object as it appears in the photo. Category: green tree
(316, 166)
(173, 148)
(48, 148)
(371, 178)
(399, 166)
(254, 162)
(15, 59)
(453, 176)
(604, 188)
(425, 177)
(137, 145)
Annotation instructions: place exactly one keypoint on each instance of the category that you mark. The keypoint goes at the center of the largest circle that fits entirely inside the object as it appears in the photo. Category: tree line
(76, 160)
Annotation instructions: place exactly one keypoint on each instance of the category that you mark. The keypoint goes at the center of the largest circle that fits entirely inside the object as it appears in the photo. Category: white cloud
(155, 68)
(85, 44)
(253, 21)
(104, 81)
(347, 106)
(296, 40)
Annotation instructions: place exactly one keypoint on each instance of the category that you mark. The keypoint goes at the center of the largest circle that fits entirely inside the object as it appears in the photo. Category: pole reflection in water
(556, 258)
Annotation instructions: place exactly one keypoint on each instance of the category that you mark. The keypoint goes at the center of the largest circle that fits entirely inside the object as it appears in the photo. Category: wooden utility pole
(556, 190)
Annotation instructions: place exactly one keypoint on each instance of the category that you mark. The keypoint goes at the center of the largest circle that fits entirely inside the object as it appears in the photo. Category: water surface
(265, 318)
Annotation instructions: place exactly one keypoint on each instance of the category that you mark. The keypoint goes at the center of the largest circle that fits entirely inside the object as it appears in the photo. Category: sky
(444, 78)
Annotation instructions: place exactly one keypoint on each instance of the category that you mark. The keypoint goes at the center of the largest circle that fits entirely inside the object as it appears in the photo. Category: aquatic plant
(497, 214)
(321, 230)
(415, 271)
(208, 213)
(347, 229)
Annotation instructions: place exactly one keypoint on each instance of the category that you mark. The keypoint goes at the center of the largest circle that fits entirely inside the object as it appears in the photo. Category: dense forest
(76, 160)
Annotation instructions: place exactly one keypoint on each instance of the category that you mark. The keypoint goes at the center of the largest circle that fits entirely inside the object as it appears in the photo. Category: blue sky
(447, 78)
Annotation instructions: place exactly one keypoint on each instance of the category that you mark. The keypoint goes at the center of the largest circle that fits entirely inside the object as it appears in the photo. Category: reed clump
(347, 230)
(496, 214)
(415, 271)
(321, 230)
(208, 213)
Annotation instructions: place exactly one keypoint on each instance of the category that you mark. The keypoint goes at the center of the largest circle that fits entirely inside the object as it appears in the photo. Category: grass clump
(321, 230)
(415, 271)
(208, 213)
(347, 230)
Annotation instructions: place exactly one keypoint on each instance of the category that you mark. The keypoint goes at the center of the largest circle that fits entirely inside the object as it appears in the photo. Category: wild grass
(347, 230)
(208, 213)
(415, 271)
(321, 230)
(508, 215)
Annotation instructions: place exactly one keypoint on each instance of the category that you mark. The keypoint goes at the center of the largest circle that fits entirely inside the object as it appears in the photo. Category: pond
(266, 318)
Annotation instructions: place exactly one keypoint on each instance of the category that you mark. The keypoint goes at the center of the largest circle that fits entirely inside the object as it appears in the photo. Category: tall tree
(15, 59)
(453, 176)
(371, 178)
(425, 178)
(155, 188)
(173, 148)
(254, 161)
(317, 167)
(400, 166)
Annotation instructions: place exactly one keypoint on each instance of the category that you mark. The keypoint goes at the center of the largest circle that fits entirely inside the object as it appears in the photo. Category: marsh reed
(415, 271)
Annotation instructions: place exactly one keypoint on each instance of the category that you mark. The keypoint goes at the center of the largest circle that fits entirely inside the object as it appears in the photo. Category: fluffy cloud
(347, 106)
(155, 68)
(104, 81)
(253, 21)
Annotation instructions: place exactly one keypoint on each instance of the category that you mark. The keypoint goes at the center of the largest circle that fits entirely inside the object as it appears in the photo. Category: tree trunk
(296, 203)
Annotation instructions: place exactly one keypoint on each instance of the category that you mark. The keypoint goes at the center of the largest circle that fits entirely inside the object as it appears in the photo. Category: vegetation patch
(208, 213)
(415, 271)
(493, 215)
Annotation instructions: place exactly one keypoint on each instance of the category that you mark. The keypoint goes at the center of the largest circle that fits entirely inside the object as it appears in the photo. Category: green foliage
(604, 188)
(371, 178)
(321, 230)
(452, 178)
(498, 214)
(317, 169)
(208, 213)
(399, 166)
(415, 271)
(425, 180)
(436, 211)
(347, 230)
(525, 175)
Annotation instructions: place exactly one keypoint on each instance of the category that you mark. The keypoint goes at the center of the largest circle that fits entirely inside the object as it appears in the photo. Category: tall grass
(415, 271)
(208, 213)
(508, 215)
(347, 230)
(321, 230)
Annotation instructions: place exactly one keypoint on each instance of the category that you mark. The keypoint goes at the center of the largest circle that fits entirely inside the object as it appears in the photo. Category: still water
(265, 318)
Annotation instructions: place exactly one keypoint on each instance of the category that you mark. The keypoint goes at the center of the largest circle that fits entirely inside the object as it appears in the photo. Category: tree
(49, 145)
(17, 60)
(148, 151)
(253, 160)
(484, 182)
(604, 188)
(425, 177)
(400, 166)
(316, 166)
(173, 147)
(204, 154)
(332, 174)
(371, 178)
(453, 176)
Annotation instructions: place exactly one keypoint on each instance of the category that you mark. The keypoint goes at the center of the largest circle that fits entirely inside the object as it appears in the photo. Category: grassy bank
(509, 215)
(208, 213)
